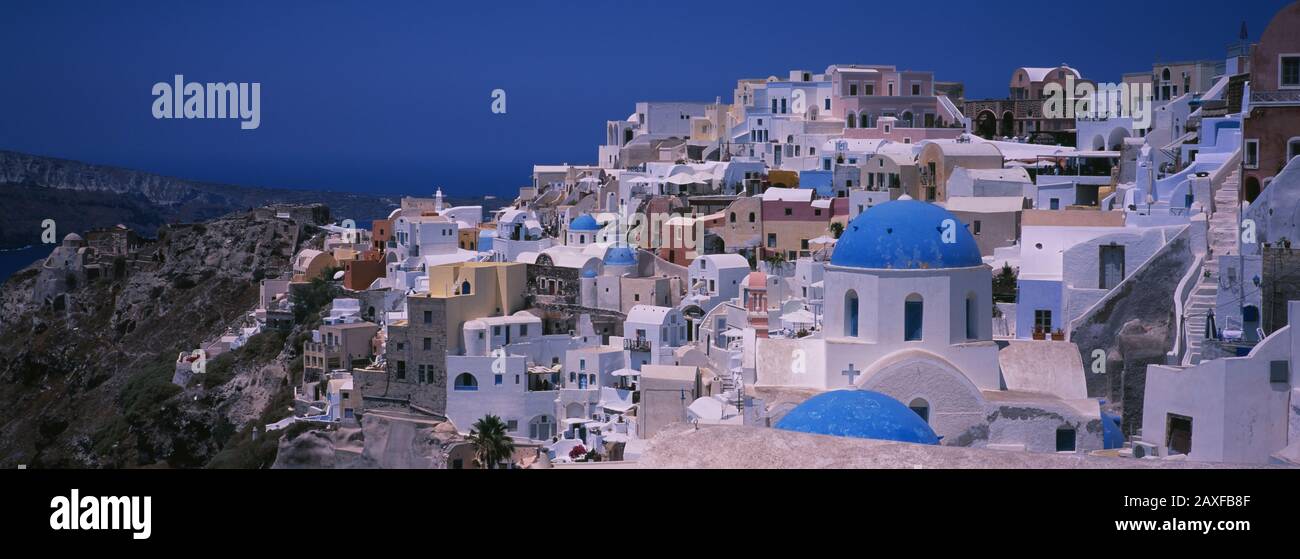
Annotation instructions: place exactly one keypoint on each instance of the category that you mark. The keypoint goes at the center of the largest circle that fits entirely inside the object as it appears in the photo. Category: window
(913, 313)
(428, 344)
(771, 240)
(1042, 320)
(977, 227)
(921, 407)
(1289, 71)
(1251, 157)
(828, 103)
(916, 89)
(852, 120)
(789, 211)
(401, 370)
(1055, 204)
(853, 89)
(512, 425)
(751, 217)
(972, 317)
(465, 382)
(497, 380)
(871, 89)
(523, 330)
(851, 314)
(428, 317)
(733, 217)
(1065, 439)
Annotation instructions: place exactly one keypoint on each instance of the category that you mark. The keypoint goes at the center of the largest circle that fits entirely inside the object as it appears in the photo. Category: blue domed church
(909, 314)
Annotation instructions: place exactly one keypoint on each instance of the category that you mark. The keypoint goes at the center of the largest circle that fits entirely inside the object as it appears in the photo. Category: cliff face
(81, 196)
(88, 384)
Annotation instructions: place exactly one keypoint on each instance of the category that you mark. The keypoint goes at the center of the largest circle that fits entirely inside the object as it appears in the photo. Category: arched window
(852, 120)
(864, 120)
(751, 217)
(921, 407)
(464, 288)
(851, 314)
(972, 317)
(1165, 75)
(789, 139)
(465, 381)
(913, 313)
(733, 217)
(907, 119)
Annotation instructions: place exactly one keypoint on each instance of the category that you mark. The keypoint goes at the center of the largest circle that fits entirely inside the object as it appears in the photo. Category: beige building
(937, 160)
(742, 224)
(310, 264)
(341, 346)
(666, 391)
(993, 220)
(417, 348)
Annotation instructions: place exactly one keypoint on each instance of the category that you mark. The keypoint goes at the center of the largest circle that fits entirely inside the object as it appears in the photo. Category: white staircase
(1223, 238)
(733, 383)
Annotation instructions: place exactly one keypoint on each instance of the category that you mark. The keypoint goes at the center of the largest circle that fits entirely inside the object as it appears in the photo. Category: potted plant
(1058, 335)
(1040, 334)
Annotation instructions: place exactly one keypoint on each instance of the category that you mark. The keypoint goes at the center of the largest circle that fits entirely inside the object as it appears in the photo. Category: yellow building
(417, 348)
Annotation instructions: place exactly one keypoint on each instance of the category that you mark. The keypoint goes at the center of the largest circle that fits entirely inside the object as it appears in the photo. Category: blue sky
(395, 96)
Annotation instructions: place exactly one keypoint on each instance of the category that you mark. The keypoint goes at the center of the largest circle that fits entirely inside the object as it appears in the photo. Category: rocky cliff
(87, 383)
(81, 196)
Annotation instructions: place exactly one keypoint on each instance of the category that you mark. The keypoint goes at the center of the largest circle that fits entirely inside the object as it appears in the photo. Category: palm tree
(491, 443)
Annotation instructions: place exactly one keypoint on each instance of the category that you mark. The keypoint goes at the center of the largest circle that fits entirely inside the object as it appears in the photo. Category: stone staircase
(1223, 238)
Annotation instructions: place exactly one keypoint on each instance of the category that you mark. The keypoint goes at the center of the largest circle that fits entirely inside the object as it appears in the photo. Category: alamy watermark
(1107, 100)
(179, 99)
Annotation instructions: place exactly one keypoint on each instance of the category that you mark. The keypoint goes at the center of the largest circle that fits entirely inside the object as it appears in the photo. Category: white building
(909, 315)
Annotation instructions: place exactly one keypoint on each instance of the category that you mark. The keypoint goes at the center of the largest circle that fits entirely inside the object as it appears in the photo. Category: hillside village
(855, 251)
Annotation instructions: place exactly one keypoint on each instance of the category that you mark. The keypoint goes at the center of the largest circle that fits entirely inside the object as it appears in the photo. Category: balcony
(637, 344)
(1279, 98)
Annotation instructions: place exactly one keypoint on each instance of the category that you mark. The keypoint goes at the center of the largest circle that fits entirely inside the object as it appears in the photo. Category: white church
(909, 314)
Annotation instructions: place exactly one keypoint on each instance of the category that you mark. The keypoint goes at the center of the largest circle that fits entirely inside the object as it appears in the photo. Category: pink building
(865, 97)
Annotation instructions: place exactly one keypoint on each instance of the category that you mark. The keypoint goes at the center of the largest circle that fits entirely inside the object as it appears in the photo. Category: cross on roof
(851, 373)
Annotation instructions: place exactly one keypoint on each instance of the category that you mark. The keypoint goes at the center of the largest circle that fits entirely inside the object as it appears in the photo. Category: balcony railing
(637, 344)
(1279, 97)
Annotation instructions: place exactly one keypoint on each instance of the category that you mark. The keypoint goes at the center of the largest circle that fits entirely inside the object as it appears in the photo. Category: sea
(14, 259)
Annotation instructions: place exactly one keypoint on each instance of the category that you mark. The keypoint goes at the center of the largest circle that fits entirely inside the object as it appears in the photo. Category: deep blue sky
(395, 96)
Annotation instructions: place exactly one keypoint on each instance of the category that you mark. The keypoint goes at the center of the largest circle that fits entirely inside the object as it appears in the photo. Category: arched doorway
(986, 125)
(1117, 136)
(1008, 127)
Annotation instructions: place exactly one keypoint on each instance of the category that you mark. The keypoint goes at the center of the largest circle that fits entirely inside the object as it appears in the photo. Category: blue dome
(584, 222)
(905, 235)
(589, 273)
(620, 256)
(858, 413)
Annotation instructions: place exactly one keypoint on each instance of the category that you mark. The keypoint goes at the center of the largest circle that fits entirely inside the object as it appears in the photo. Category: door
(1111, 264)
(1178, 434)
